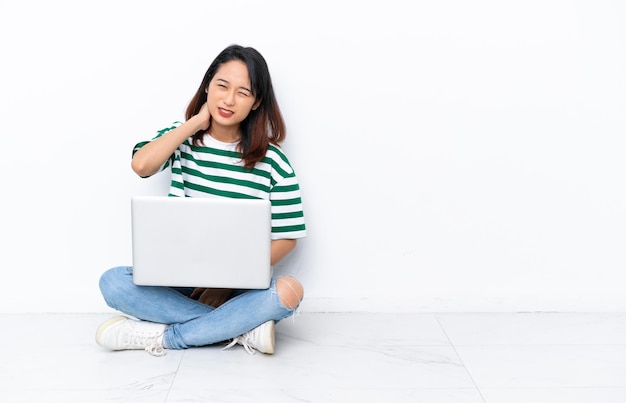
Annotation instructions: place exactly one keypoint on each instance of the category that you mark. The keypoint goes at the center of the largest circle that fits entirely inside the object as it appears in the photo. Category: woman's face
(229, 94)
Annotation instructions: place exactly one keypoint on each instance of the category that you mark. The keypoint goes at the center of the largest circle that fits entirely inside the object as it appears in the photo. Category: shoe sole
(104, 326)
(270, 349)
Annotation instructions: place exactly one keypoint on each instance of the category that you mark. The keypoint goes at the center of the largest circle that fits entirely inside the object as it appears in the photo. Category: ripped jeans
(191, 323)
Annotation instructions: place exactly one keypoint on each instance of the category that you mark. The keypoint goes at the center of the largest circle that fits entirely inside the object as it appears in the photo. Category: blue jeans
(191, 323)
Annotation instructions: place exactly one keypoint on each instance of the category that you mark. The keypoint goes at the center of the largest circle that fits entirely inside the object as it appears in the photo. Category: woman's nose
(229, 99)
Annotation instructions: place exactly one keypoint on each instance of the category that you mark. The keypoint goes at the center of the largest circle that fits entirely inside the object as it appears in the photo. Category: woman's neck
(225, 135)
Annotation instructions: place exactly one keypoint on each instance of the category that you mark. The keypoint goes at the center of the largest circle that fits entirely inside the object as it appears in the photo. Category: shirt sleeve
(287, 209)
(159, 133)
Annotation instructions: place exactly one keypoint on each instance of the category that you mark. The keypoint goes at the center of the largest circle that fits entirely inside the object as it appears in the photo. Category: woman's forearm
(149, 158)
(281, 248)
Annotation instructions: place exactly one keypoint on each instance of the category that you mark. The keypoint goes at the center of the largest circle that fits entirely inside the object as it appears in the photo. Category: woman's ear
(256, 105)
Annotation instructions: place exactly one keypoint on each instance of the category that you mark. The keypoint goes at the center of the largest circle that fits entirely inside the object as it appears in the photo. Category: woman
(227, 147)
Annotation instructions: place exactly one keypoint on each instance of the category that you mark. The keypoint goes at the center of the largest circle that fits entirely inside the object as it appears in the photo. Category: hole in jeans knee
(290, 292)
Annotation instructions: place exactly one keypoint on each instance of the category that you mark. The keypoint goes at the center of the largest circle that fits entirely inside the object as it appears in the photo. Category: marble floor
(332, 357)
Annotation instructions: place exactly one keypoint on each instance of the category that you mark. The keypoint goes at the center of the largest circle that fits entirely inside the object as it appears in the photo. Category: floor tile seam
(394, 387)
(339, 388)
(176, 371)
(380, 348)
(376, 344)
(391, 387)
(585, 313)
(461, 360)
(553, 387)
(541, 345)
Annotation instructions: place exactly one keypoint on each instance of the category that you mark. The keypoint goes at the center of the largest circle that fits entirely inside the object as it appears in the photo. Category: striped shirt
(216, 170)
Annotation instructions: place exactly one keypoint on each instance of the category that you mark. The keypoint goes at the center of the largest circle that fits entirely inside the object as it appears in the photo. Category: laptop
(201, 242)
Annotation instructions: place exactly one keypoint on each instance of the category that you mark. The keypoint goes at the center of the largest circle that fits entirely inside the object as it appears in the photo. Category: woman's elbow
(139, 167)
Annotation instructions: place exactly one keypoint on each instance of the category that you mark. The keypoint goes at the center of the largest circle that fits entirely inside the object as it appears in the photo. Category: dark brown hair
(263, 125)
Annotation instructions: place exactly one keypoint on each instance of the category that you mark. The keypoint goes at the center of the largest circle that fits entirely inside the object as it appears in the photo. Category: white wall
(453, 155)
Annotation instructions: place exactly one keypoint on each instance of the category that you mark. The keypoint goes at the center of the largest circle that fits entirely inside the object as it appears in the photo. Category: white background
(453, 155)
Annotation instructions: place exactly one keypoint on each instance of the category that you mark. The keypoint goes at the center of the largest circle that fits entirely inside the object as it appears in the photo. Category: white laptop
(201, 242)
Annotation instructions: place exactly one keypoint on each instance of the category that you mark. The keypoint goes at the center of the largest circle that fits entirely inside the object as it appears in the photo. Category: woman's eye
(245, 94)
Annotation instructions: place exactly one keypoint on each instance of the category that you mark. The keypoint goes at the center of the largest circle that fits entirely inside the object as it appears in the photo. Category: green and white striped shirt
(216, 170)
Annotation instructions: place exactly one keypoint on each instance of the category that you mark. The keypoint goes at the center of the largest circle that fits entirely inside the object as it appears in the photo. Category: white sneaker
(122, 333)
(261, 338)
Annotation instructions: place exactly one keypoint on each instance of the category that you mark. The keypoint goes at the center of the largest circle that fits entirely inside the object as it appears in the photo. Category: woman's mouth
(225, 112)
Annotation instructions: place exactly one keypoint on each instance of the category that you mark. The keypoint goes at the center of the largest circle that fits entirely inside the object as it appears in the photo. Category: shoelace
(156, 350)
(244, 342)
(151, 342)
